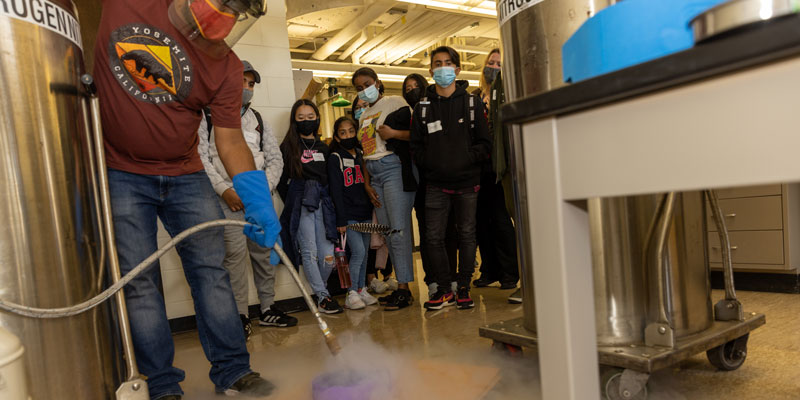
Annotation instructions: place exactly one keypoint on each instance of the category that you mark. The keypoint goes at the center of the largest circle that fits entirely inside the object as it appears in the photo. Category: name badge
(349, 163)
(434, 126)
(319, 157)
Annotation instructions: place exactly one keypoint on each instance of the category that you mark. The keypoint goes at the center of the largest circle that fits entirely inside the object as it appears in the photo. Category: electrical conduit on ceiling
(370, 13)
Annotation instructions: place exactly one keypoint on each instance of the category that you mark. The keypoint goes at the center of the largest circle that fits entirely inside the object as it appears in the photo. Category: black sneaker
(401, 298)
(329, 305)
(248, 327)
(507, 285)
(439, 300)
(516, 297)
(483, 282)
(463, 301)
(250, 385)
(276, 317)
(385, 299)
(170, 397)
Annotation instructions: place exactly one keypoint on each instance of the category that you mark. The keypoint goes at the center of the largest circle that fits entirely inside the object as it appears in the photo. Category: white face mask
(370, 94)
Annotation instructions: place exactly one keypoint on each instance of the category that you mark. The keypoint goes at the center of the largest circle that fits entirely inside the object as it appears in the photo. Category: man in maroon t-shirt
(158, 63)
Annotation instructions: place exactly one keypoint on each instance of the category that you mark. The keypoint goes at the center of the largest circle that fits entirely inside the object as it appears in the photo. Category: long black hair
(290, 146)
(335, 146)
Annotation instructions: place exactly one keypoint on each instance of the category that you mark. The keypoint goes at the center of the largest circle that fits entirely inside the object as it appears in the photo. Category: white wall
(266, 46)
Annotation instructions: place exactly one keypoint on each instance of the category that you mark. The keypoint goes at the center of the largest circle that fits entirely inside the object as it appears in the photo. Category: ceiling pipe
(428, 40)
(471, 49)
(425, 26)
(361, 39)
(371, 12)
(444, 35)
(379, 69)
(395, 40)
(411, 18)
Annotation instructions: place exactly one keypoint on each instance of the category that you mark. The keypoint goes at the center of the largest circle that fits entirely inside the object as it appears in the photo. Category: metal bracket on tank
(659, 334)
(134, 389)
(728, 310)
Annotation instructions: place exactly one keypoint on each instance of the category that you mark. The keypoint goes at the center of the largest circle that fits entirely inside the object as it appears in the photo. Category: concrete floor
(292, 357)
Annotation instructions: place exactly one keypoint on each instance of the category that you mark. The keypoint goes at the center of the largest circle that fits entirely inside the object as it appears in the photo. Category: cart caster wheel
(729, 356)
(611, 382)
(506, 349)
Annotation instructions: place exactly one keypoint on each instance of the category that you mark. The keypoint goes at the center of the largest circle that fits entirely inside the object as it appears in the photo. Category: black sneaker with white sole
(276, 317)
(247, 326)
(463, 299)
(250, 385)
(329, 305)
(516, 297)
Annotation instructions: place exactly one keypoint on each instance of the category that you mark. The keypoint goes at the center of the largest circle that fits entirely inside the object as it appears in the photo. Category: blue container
(629, 33)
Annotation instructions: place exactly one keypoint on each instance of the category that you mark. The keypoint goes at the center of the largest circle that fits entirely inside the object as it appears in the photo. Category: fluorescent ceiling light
(486, 8)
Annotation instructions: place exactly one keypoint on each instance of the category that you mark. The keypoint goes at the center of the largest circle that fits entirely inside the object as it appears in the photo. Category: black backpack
(259, 127)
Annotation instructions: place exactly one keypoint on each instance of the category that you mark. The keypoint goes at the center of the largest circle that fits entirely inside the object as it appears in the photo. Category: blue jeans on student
(316, 251)
(137, 201)
(386, 177)
(359, 245)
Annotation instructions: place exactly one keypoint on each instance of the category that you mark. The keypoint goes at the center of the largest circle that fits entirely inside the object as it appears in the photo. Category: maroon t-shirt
(153, 84)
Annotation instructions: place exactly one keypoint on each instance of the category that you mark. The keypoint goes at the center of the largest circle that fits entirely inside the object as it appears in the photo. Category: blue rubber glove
(253, 189)
(274, 258)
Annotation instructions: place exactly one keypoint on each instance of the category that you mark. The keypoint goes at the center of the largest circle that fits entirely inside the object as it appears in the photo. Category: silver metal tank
(624, 277)
(532, 37)
(50, 255)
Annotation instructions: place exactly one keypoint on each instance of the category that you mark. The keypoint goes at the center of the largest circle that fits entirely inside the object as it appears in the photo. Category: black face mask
(307, 127)
(413, 96)
(490, 74)
(349, 143)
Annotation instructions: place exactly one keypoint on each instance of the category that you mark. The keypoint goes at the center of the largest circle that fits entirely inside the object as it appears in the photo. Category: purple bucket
(349, 385)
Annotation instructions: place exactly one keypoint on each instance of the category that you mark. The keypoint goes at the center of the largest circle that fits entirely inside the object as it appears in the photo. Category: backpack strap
(472, 110)
(424, 110)
(209, 125)
(259, 129)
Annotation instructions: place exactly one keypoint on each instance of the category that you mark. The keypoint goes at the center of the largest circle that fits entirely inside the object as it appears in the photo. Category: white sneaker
(354, 301)
(367, 298)
(392, 283)
(378, 286)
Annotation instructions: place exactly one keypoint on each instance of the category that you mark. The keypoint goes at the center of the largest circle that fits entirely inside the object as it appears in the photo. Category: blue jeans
(359, 245)
(316, 251)
(386, 177)
(137, 201)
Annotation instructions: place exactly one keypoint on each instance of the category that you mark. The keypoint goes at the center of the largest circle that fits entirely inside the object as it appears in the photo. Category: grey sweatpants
(237, 246)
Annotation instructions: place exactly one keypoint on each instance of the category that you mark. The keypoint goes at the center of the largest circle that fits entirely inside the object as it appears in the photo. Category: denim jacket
(311, 195)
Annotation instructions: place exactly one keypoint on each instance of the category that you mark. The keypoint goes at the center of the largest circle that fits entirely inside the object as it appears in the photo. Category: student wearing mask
(393, 181)
(414, 87)
(450, 140)
(496, 236)
(347, 179)
(308, 218)
(267, 157)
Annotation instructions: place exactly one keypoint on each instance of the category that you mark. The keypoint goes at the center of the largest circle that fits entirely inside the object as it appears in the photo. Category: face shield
(214, 26)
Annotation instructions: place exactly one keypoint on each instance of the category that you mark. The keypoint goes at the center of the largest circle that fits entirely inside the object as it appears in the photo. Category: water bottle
(342, 265)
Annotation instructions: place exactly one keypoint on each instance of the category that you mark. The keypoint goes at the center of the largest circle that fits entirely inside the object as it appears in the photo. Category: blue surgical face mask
(444, 76)
(370, 94)
(247, 95)
(358, 113)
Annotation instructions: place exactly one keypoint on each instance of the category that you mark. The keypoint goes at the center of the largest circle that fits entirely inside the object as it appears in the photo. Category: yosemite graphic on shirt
(150, 65)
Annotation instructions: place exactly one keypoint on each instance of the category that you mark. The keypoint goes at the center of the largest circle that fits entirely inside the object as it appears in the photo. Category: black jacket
(450, 158)
(346, 182)
(401, 121)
